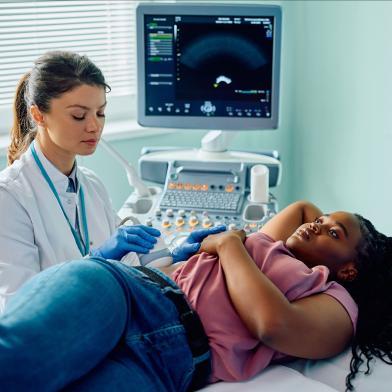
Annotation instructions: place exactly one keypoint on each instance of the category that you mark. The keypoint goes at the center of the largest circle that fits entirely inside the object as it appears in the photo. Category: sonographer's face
(75, 120)
(330, 240)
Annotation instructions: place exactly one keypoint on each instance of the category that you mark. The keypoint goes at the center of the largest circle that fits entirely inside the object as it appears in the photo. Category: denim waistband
(197, 338)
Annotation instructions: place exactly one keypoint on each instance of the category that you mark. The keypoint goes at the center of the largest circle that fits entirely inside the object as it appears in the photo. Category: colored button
(166, 223)
(179, 221)
(207, 222)
(193, 221)
(229, 188)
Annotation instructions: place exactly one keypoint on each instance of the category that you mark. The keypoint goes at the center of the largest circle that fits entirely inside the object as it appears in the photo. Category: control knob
(180, 221)
(207, 222)
(232, 226)
(166, 223)
(149, 222)
(193, 221)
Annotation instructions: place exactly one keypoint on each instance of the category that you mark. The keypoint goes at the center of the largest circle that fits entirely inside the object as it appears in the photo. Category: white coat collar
(59, 179)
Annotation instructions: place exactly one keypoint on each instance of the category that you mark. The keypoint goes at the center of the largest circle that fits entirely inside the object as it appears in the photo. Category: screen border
(198, 122)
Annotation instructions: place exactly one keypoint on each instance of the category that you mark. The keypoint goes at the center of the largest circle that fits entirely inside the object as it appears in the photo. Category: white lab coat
(34, 233)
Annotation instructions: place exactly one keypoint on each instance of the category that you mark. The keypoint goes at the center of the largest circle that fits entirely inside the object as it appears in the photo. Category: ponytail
(21, 133)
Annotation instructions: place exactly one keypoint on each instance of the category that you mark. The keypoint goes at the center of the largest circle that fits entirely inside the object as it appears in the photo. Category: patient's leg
(157, 361)
(60, 325)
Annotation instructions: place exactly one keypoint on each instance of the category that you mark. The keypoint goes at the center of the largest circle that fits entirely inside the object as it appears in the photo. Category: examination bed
(313, 376)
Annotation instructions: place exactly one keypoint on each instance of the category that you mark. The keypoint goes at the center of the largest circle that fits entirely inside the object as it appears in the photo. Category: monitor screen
(208, 66)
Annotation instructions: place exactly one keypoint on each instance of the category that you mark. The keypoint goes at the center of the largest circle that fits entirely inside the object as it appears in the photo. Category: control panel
(178, 223)
(217, 189)
(200, 195)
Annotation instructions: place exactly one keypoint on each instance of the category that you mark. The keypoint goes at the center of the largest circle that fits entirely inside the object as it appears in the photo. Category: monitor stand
(214, 147)
(216, 141)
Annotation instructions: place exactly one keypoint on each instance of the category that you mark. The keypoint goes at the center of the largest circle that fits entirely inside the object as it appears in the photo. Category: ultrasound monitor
(208, 66)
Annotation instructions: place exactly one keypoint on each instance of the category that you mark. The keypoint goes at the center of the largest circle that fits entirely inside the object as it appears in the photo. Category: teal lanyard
(84, 248)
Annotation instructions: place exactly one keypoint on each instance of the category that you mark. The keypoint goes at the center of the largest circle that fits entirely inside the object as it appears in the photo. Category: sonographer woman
(51, 209)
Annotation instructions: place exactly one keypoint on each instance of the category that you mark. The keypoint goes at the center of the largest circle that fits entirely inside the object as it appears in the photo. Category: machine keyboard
(205, 200)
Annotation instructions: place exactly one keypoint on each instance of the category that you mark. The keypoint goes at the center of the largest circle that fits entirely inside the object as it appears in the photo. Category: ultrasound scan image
(221, 64)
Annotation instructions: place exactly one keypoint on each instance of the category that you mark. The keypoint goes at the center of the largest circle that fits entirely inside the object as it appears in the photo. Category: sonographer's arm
(314, 327)
(19, 256)
(283, 224)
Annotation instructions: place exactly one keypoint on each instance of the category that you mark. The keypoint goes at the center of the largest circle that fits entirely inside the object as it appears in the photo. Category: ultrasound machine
(212, 67)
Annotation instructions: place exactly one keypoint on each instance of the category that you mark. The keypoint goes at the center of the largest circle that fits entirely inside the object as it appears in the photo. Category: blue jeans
(93, 325)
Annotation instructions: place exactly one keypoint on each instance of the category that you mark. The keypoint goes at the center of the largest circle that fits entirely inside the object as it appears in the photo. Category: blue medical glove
(137, 238)
(192, 243)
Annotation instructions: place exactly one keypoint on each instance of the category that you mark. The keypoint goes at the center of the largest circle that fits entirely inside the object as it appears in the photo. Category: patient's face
(330, 240)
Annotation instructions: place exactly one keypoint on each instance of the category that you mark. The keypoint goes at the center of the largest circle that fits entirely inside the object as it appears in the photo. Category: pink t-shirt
(236, 354)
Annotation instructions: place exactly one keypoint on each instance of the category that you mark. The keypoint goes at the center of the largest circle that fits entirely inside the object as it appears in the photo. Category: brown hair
(53, 74)
(21, 135)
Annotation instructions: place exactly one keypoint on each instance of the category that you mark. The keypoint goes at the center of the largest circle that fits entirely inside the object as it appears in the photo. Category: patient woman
(268, 297)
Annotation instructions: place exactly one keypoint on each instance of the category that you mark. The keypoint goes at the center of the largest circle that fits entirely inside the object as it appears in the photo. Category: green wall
(341, 106)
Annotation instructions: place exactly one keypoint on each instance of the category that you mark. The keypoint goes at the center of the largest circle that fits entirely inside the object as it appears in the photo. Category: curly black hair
(372, 292)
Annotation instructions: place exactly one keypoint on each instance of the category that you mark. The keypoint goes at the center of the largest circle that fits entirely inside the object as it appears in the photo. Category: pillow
(275, 378)
(333, 372)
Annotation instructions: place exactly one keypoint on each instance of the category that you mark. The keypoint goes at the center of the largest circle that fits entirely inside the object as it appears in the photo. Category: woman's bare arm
(313, 327)
(283, 224)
